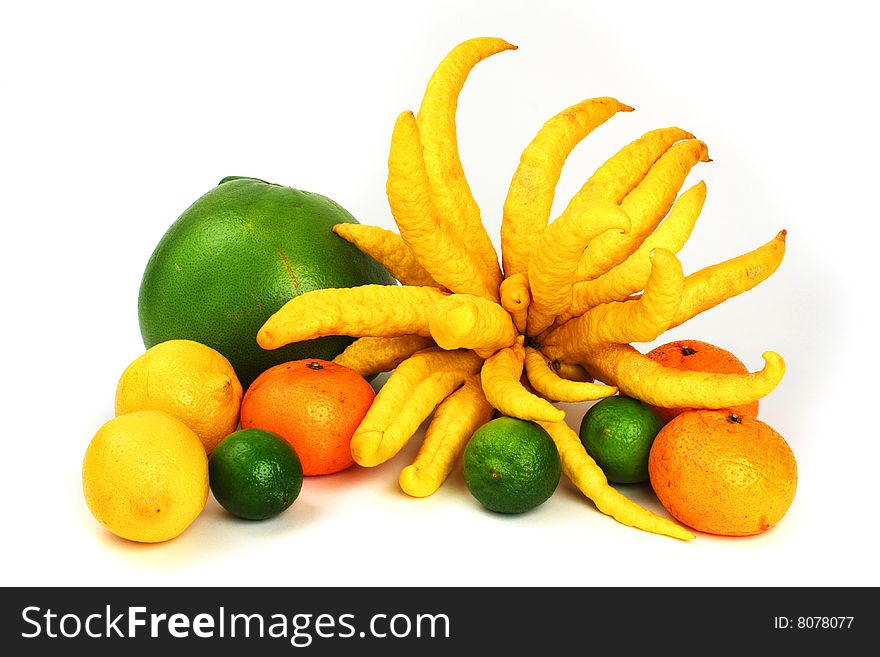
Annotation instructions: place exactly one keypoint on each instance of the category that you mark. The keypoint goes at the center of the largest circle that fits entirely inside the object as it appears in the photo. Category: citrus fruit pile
(147, 472)
(234, 257)
(267, 308)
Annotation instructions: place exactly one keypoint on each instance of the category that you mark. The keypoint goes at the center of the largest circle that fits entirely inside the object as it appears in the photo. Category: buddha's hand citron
(145, 476)
(188, 380)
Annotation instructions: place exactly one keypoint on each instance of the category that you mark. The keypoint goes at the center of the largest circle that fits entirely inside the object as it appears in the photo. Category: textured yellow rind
(635, 320)
(368, 310)
(530, 195)
(442, 252)
(463, 321)
(188, 380)
(449, 187)
(501, 384)
(515, 299)
(546, 382)
(409, 395)
(710, 286)
(638, 376)
(583, 472)
(554, 262)
(623, 171)
(454, 422)
(388, 249)
(632, 274)
(368, 356)
(646, 205)
(571, 371)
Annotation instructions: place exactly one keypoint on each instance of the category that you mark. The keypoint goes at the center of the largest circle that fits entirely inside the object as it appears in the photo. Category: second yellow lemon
(187, 380)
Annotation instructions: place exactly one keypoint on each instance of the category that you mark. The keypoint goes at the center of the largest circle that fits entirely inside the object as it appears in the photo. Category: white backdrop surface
(116, 118)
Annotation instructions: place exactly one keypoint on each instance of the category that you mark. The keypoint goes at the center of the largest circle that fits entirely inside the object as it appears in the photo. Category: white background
(114, 119)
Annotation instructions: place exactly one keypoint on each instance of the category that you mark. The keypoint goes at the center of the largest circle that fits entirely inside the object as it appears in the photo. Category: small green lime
(511, 466)
(618, 433)
(255, 474)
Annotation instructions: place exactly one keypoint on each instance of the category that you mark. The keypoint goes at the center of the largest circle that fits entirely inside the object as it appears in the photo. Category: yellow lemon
(145, 476)
(188, 380)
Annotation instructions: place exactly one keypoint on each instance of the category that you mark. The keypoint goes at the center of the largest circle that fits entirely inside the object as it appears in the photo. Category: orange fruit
(722, 473)
(696, 356)
(315, 405)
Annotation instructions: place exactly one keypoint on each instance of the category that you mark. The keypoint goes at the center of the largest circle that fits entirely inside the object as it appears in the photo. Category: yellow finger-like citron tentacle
(638, 376)
(368, 356)
(646, 206)
(454, 422)
(367, 310)
(632, 274)
(623, 171)
(449, 187)
(408, 397)
(571, 371)
(710, 286)
(515, 299)
(440, 251)
(389, 250)
(584, 473)
(555, 260)
(548, 383)
(501, 384)
(636, 320)
(530, 196)
(463, 321)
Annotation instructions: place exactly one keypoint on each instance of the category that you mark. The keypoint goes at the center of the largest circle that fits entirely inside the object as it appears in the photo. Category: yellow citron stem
(440, 251)
(638, 376)
(409, 395)
(368, 356)
(546, 382)
(646, 206)
(389, 250)
(374, 310)
(710, 286)
(639, 320)
(583, 472)
(454, 422)
(515, 299)
(449, 187)
(632, 274)
(501, 384)
(530, 196)
(463, 321)
(555, 259)
(623, 171)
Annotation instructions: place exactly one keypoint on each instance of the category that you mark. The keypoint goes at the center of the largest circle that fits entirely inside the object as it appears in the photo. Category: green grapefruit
(238, 254)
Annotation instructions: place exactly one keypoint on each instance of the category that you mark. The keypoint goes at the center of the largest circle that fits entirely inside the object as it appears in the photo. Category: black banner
(318, 621)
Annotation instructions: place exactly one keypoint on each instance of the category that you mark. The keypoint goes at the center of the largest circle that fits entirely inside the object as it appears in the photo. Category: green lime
(255, 474)
(618, 433)
(511, 466)
(238, 254)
